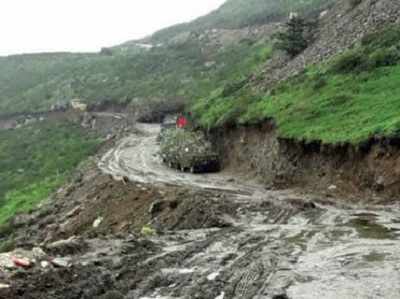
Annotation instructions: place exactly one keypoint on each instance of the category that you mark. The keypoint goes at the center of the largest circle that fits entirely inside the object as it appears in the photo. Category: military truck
(188, 151)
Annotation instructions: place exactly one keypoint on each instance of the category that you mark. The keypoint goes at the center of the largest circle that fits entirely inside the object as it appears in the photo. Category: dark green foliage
(293, 41)
(351, 61)
(232, 87)
(319, 82)
(383, 47)
(384, 57)
(386, 38)
(378, 49)
(35, 160)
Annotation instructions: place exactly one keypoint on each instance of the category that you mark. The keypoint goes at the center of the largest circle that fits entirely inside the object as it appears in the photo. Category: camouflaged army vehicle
(188, 151)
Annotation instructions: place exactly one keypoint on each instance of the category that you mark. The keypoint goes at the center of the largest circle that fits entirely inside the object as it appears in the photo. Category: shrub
(351, 61)
(233, 87)
(384, 57)
(386, 38)
(319, 83)
(148, 231)
(293, 41)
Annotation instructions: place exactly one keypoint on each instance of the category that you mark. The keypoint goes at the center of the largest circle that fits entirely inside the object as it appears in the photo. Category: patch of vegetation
(378, 49)
(148, 231)
(294, 40)
(334, 103)
(174, 73)
(36, 160)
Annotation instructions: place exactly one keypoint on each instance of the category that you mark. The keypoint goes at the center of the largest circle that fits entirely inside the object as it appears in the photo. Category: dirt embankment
(371, 168)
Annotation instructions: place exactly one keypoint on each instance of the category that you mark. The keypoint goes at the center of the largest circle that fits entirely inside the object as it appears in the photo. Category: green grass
(36, 82)
(26, 198)
(36, 160)
(174, 71)
(349, 99)
(349, 108)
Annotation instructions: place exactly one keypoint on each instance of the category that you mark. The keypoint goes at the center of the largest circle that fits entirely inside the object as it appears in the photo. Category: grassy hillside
(179, 70)
(36, 82)
(348, 99)
(35, 160)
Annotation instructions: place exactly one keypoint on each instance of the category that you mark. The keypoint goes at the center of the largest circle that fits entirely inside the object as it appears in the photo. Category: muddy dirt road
(136, 157)
(276, 245)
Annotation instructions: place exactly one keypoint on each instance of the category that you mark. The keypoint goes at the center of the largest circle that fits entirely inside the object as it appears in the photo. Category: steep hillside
(225, 68)
(235, 14)
(183, 62)
(342, 88)
(35, 83)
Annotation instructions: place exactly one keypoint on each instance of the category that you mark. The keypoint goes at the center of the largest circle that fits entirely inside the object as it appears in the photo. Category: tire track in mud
(278, 245)
(136, 157)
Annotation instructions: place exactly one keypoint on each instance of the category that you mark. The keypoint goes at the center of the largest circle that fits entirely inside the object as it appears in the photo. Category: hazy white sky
(28, 26)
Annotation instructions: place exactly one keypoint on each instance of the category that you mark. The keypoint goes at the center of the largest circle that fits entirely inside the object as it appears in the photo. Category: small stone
(380, 180)
(97, 222)
(38, 253)
(332, 188)
(221, 296)
(44, 264)
(74, 212)
(212, 276)
(61, 262)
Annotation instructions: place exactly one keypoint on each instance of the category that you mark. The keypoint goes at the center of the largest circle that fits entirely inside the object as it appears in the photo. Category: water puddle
(375, 256)
(367, 227)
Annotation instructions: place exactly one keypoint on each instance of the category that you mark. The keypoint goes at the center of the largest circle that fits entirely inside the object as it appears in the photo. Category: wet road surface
(278, 244)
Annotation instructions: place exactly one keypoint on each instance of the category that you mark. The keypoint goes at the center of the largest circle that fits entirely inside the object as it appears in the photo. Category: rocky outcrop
(339, 29)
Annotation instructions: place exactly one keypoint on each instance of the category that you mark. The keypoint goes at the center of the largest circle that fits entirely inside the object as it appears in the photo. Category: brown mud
(367, 172)
(128, 227)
